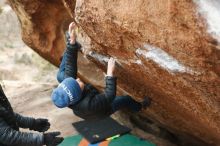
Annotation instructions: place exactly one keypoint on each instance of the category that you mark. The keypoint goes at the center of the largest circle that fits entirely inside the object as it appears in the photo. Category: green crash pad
(124, 140)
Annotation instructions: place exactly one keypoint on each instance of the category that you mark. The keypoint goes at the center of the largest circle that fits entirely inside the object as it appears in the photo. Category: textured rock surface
(42, 26)
(167, 50)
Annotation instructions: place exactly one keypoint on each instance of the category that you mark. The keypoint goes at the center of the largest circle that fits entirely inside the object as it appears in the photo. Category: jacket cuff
(110, 77)
(75, 46)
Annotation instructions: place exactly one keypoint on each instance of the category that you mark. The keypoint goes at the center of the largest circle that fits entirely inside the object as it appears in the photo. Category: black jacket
(9, 127)
(93, 105)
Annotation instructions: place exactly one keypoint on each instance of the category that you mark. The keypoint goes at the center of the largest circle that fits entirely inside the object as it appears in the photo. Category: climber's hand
(72, 32)
(111, 67)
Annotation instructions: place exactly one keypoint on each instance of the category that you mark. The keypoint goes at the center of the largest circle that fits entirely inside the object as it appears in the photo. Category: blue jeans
(118, 103)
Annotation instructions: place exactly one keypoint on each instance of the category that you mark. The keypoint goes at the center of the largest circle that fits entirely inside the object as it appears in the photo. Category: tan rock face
(167, 50)
(42, 25)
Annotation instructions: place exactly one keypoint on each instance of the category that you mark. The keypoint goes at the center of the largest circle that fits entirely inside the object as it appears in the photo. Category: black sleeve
(9, 136)
(100, 101)
(24, 122)
(71, 59)
(110, 88)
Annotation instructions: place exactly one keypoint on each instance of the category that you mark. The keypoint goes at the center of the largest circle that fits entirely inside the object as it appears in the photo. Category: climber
(10, 123)
(84, 99)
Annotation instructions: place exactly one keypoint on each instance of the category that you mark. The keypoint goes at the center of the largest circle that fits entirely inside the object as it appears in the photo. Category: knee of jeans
(60, 76)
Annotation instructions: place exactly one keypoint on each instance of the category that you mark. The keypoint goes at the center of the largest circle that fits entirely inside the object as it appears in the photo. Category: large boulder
(167, 50)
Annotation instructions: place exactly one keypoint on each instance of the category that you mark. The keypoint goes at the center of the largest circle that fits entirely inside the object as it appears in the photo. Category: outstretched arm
(71, 53)
(9, 136)
(110, 89)
(100, 101)
(40, 125)
(68, 66)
